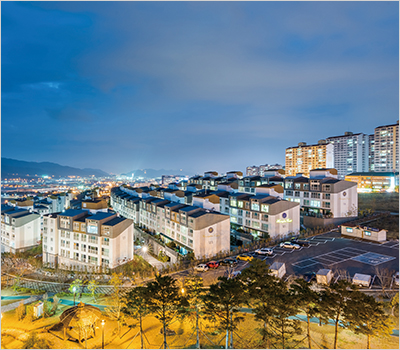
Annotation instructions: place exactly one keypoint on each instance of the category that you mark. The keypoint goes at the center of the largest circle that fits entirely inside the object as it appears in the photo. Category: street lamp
(102, 334)
(144, 249)
(74, 289)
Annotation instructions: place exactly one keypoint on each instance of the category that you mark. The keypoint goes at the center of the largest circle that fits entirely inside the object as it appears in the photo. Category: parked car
(396, 278)
(310, 276)
(213, 264)
(265, 251)
(289, 245)
(245, 257)
(201, 268)
(301, 243)
(228, 262)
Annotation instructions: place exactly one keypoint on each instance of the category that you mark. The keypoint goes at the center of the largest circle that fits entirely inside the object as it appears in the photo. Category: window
(255, 206)
(306, 194)
(76, 236)
(106, 241)
(326, 196)
(327, 204)
(265, 217)
(255, 224)
(76, 226)
(264, 227)
(297, 186)
(315, 204)
(105, 251)
(315, 195)
(255, 215)
(367, 233)
(234, 211)
(265, 208)
(306, 202)
(233, 202)
(297, 194)
(240, 204)
(349, 229)
(289, 193)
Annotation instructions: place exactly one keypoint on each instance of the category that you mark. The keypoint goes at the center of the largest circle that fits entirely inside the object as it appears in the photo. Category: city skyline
(195, 86)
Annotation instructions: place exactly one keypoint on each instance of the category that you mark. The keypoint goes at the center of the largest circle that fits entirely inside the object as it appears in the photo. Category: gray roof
(114, 221)
(100, 216)
(72, 212)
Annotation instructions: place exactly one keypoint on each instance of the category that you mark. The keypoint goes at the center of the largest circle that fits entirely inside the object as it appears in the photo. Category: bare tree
(384, 276)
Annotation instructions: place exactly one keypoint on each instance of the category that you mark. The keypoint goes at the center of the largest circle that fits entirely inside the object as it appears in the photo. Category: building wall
(350, 153)
(386, 156)
(304, 158)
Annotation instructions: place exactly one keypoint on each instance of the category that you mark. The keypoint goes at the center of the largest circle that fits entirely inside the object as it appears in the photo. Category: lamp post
(74, 290)
(102, 334)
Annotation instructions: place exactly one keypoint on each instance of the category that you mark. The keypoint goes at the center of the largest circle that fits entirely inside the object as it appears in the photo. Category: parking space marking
(351, 252)
(373, 259)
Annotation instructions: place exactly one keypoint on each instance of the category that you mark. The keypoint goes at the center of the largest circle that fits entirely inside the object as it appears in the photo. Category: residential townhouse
(87, 242)
(191, 228)
(322, 194)
(262, 215)
(20, 229)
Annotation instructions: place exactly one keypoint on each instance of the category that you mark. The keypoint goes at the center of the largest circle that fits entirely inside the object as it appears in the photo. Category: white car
(265, 251)
(201, 268)
(289, 245)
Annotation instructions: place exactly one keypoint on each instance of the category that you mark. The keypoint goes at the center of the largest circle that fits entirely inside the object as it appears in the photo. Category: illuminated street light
(144, 249)
(102, 334)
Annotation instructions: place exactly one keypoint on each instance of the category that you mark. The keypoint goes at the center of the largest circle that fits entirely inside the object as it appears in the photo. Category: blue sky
(192, 85)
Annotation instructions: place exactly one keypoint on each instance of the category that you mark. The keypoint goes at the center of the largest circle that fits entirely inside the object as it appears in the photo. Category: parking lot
(326, 251)
(333, 252)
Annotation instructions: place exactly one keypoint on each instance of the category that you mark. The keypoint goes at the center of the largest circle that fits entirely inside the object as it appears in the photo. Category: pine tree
(334, 301)
(260, 285)
(366, 316)
(116, 302)
(165, 300)
(137, 308)
(306, 300)
(222, 301)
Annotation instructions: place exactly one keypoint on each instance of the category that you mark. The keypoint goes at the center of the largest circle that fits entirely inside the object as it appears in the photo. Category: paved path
(13, 306)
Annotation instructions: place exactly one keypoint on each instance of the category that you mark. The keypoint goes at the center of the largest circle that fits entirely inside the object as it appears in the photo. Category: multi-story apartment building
(191, 228)
(249, 184)
(371, 156)
(20, 229)
(262, 215)
(87, 242)
(168, 179)
(350, 153)
(374, 181)
(323, 194)
(303, 158)
(386, 157)
(186, 225)
(252, 170)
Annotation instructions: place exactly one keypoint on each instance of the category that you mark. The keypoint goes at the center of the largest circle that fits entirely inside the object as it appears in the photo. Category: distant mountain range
(22, 168)
(151, 173)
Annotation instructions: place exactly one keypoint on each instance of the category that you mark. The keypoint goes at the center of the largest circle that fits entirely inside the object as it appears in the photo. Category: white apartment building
(191, 228)
(350, 153)
(262, 215)
(386, 155)
(87, 242)
(20, 229)
(323, 194)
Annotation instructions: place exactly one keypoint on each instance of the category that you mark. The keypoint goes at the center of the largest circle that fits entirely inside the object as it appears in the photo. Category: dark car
(310, 276)
(213, 264)
(301, 243)
(228, 262)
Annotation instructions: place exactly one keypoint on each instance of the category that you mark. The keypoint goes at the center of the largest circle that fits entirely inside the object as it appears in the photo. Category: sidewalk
(152, 261)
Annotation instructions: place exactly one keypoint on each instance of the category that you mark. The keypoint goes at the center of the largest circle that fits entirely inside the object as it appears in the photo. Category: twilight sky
(197, 86)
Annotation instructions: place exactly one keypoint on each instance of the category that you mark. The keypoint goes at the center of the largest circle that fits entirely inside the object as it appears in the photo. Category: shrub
(21, 311)
(37, 292)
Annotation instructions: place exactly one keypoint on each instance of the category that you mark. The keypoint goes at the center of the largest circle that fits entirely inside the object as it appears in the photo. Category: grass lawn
(379, 201)
(391, 224)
